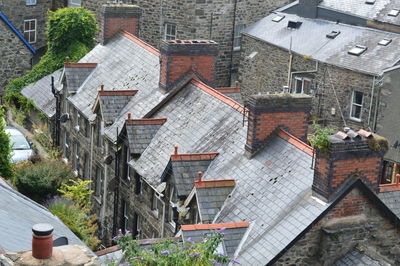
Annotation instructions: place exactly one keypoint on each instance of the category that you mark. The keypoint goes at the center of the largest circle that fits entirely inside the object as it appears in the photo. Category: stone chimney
(269, 112)
(179, 57)
(351, 155)
(308, 8)
(117, 17)
(42, 241)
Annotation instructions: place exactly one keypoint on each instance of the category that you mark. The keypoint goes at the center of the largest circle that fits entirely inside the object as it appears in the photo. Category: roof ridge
(194, 156)
(283, 134)
(146, 121)
(80, 65)
(140, 42)
(213, 92)
(191, 227)
(117, 92)
(214, 183)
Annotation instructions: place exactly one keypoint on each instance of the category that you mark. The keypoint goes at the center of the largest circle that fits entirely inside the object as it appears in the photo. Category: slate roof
(392, 200)
(373, 61)
(17, 216)
(355, 258)
(76, 76)
(378, 11)
(40, 93)
(124, 63)
(233, 234)
(111, 105)
(140, 136)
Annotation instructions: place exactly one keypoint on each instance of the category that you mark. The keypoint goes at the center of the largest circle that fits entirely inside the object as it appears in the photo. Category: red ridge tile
(145, 45)
(295, 142)
(193, 227)
(214, 183)
(80, 65)
(117, 92)
(146, 121)
(194, 156)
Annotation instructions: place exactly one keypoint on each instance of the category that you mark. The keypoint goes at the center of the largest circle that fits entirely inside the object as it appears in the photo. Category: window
(301, 85)
(389, 172)
(136, 227)
(237, 36)
(30, 30)
(128, 157)
(87, 128)
(77, 119)
(357, 50)
(86, 166)
(98, 182)
(169, 31)
(154, 204)
(66, 145)
(74, 3)
(30, 2)
(100, 132)
(385, 42)
(356, 105)
(75, 159)
(370, 2)
(333, 34)
(172, 207)
(278, 18)
(394, 12)
(138, 185)
(125, 218)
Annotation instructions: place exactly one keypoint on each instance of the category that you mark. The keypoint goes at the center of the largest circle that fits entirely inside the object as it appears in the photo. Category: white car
(22, 149)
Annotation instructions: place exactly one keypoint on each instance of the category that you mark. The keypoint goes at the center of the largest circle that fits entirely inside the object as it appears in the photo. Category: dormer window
(294, 24)
(357, 50)
(385, 42)
(333, 34)
(278, 18)
(370, 2)
(394, 12)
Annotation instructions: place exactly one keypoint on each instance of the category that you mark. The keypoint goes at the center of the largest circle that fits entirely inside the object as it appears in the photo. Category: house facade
(350, 70)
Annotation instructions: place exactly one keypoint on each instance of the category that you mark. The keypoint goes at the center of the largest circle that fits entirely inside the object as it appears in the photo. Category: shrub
(320, 138)
(78, 192)
(41, 180)
(6, 168)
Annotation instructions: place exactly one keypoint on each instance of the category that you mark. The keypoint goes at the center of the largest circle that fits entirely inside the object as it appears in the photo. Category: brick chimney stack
(117, 17)
(42, 241)
(179, 57)
(350, 156)
(269, 112)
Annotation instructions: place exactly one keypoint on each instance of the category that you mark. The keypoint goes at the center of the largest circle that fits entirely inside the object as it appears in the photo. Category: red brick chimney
(117, 17)
(42, 241)
(269, 112)
(179, 57)
(350, 156)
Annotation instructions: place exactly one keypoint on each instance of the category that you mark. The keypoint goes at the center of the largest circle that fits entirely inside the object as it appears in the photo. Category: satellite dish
(64, 118)
(161, 187)
(108, 159)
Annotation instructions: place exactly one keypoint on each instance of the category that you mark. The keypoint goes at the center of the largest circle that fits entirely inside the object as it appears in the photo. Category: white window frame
(67, 151)
(31, 2)
(138, 231)
(126, 218)
(128, 157)
(77, 120)
(29, 31)
(237, 38)
(352, 104)
(303, 80)
(154, 203)
(76, 157)
(141, 185)
(99, 182)
(74, 3)
(171, 206)
(168, 34)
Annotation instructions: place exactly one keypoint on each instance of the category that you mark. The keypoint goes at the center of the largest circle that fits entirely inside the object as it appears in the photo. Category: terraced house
(342, 53)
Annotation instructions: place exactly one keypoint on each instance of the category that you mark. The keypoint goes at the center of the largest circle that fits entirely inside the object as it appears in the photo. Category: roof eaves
(356, 183)
(4, 18)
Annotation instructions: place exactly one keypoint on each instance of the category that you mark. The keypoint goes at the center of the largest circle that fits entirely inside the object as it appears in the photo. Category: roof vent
(385, 42)
(394, 12)
(370, 2)
(294, 24)
(357, 50)
(278, 18)
(333, 34)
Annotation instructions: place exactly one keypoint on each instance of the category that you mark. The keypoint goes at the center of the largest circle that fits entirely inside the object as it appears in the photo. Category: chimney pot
(129, 116)
(67, 59)
(237, 83)
(199, 176)
(42, 241)
(176, 150)
(101, 87)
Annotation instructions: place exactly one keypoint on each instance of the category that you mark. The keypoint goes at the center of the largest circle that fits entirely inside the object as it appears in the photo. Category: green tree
(6, 168)
(78, 191)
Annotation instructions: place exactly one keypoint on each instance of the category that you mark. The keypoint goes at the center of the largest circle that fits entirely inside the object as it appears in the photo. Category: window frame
(303, 80)
(237, 36)
(30, 2)
(170, 36)
(138, 183)
(171, 207)
(71, 3)
(154, 204)
(75, 159)
(77, 120)
(128, 158)
(125, 216)
(29, 31)
(99, 183)
(67, 150)
(352, 104)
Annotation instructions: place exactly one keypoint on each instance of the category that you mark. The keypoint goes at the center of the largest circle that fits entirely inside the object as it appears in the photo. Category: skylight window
(357, 50)
(294, 24)
(278, 18)
(370, 2)
(333, 34)
(394, 12)
(384, 42)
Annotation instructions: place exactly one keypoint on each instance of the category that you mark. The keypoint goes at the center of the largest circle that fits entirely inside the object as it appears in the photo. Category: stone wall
(363, 227)
(17, 11)
(200, 19)
(15, 56)
(266, 70)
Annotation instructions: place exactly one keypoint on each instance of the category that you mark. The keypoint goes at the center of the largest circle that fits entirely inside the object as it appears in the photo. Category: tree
(6, 168)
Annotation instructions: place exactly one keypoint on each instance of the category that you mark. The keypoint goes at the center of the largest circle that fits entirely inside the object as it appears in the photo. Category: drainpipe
(372, 99)
(302, 72)
(103, 198)
(233, 40)
(376, 108)
(91, 152)
(163, 217)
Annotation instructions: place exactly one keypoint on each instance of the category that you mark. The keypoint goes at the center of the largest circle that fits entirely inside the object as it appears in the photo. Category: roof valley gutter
(2, 16)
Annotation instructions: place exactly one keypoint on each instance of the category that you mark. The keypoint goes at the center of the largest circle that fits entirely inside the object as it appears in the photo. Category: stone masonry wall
(200, 19)
(363, 228)
(17, 11)
(15, 56)
(267, 71)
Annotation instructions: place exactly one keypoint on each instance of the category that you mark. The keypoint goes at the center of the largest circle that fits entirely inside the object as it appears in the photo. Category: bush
(41, 180)
(320, 138)
(6, 168)
(77, 219)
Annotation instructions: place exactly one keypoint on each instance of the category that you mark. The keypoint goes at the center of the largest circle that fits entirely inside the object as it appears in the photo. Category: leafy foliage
(78, 192)
(77, 219)
(42, 179)
(320, 137)
(173, 253)
(47, 143)
(71, 32)
(6, 168)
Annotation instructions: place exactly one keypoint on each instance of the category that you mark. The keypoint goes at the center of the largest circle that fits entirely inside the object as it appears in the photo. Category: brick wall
(354, 223)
